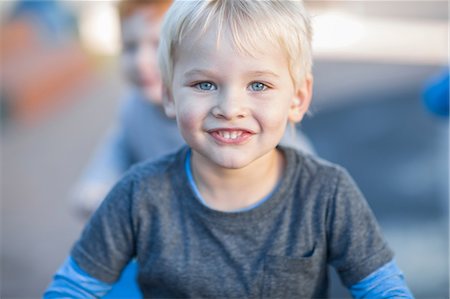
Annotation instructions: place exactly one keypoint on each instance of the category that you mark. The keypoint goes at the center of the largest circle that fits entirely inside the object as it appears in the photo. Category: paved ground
(39, 168)
(367, 117)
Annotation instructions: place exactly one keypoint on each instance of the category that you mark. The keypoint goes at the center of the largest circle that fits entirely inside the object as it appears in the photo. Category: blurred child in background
(142, 130)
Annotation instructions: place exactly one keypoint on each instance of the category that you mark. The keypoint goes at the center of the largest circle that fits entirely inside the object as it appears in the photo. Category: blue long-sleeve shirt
(72, 282)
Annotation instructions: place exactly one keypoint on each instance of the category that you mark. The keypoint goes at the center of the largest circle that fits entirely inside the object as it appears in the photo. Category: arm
(105, 247)
(105, 168)
(72, 282)
(357, 248)
(386, 282)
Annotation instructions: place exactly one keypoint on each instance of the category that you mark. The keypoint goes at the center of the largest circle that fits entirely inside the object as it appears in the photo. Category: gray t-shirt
(280, 249)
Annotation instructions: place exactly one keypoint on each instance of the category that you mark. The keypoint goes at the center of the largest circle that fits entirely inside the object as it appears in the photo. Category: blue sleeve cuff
(72, 282)
(386, 282)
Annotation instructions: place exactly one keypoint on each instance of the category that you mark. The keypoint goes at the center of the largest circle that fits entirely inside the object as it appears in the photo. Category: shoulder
(157, 178)
(318, 184)
(158, 169)
(142, 179)
(156, 189)
(327, 188)
(312, 168)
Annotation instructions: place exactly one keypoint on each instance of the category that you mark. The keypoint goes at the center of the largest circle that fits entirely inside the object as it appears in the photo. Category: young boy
(233, 214)
(143, 131)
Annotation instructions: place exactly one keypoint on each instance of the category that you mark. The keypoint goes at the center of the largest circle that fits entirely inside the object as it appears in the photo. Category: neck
(232, 189)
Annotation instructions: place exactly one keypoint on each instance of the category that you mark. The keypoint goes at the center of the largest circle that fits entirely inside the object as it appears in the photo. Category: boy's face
(232, 108)
(140, 38)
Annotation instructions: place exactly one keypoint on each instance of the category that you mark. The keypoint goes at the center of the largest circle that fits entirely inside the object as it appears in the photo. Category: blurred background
(60, 88)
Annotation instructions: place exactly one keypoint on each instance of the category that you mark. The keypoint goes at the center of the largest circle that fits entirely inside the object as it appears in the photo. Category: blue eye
(208, 86)
(258, 86)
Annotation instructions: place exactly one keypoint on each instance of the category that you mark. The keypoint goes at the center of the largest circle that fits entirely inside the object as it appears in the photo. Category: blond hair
(284, 24)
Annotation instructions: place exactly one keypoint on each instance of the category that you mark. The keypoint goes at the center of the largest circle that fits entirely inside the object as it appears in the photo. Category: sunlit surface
(99, 28)
(339, 35)
(337, 30)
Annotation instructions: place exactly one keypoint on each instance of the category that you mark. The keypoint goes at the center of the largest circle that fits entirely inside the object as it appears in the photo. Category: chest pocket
(288, 277)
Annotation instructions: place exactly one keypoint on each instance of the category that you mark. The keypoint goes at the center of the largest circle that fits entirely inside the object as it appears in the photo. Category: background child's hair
(282, 23)
(127, 7)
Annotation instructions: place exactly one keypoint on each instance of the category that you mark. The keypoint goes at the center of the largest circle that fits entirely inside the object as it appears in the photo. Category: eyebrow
(263, 73)
(198, 72)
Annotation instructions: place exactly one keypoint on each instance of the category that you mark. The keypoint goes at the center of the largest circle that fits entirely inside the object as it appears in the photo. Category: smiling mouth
(231, 136)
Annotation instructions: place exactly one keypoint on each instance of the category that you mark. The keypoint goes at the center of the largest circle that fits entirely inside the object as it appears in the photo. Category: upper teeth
(230, 134)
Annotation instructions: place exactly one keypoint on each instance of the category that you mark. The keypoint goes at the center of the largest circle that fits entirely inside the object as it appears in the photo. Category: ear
(302, 99)
(168, 103)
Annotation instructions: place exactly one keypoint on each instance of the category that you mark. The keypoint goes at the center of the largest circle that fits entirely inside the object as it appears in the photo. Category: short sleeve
(107, 242)
(355, 244)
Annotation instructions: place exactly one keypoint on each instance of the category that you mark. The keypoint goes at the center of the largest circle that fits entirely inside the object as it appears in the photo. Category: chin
(233, 165)
(233, 162)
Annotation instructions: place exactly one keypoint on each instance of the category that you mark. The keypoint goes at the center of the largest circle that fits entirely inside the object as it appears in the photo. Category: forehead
(128, 8)
(142, 22)
(218, 52)
(216, 39)
(149, 14)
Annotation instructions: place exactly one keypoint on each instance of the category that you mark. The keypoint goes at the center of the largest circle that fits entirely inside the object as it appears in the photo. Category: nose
(145, 58)
(231, 105)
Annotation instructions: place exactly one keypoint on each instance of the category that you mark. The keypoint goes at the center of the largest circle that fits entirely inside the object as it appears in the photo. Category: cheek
(190, 109)
(188, 116)
(273, 117)
(188, 125)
